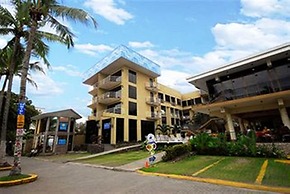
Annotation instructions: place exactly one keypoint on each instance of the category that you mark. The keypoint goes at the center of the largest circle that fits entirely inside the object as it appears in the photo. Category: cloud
(265, 8)
(91, 49)
(46, 86)
(146, 44)
(109, 10)
(3, 42)
(261, 34)
(175, 79)
(69, 70)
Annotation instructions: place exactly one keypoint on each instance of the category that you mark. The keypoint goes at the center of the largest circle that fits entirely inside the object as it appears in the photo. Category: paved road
(69, 178)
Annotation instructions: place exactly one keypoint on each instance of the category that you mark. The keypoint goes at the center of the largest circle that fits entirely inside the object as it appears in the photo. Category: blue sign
(21, 108)
(152, 159)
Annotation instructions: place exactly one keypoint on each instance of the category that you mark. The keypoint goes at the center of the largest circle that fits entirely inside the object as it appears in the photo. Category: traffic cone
(146, 164)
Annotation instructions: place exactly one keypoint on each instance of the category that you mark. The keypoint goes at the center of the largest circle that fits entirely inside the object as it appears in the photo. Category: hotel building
(253, 92)
(127, 101)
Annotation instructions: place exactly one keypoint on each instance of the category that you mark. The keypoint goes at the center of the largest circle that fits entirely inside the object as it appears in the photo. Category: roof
(123, 52)
(62, 113)
(275, 53)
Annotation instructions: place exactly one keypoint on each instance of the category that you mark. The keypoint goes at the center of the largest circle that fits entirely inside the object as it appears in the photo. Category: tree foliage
(30, 112)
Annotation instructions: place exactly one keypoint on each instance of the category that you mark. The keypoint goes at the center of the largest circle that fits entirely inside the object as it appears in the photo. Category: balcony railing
(114, 110)
(153, 101)
(153, 115)
(93, 91)
(110, 82)
(93, 102)
(109, 97)
(152, 86)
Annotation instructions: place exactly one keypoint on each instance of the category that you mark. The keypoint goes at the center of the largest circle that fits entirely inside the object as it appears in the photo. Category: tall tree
(43, 12)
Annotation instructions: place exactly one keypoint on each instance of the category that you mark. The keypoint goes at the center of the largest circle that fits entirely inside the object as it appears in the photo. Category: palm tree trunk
(16, 169)
(2, 94)
(3, 161)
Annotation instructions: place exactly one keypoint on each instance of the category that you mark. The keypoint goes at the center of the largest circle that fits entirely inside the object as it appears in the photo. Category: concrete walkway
(134, 166)
(106, 152)
(130, 167)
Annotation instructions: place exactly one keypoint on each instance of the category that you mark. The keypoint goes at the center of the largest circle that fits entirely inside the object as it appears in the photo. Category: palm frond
(6, 18)
(63, 31)
(74, 14)
(35, 67)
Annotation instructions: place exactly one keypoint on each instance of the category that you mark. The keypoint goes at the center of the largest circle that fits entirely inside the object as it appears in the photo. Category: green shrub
(176, 151)
(203, 143)
(270, 151)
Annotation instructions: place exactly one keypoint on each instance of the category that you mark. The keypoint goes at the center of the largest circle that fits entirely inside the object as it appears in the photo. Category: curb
(5, 168)
(30, 179)
(221, 182)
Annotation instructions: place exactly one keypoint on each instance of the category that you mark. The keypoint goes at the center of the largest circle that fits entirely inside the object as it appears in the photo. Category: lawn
(278, 174)
(187, 166)
(14, 177)
(238, 169)
(117, 159)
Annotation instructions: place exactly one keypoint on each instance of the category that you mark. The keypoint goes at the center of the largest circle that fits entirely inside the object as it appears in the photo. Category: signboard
(21, 108)
(20, 118)
(20, 121)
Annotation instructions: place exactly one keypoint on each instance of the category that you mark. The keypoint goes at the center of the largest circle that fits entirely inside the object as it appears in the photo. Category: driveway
(69, 178)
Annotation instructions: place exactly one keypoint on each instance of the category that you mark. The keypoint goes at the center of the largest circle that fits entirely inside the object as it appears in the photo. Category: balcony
(113, 110)
(93, 103)
(153, 115)
(110, 82)
(151, 86)
(93, 91)
(153, 101)
(92, 117)
(110, 97)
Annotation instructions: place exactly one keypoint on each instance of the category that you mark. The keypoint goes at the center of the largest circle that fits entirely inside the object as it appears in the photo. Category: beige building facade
(127, 101)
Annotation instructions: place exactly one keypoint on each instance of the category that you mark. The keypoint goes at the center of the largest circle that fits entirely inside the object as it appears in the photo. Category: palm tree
(44, 12)
(163, 129)
(11, 57)
(175, 129)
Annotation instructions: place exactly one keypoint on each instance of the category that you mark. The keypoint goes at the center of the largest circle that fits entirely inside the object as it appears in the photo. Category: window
(178, 102)
(189, 102)
(132, 108)
(132, 92)
(197, 100)
(160, 96)
(173, 100)
(167, 98)
(184, 103)
(132, 77)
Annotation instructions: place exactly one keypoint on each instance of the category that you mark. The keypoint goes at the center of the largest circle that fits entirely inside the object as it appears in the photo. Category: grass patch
(117, 159)
(14, 177)
(188, 166)
(240, 169)
(277, 174)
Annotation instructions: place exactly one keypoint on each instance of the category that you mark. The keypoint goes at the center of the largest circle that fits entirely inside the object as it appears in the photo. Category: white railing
(110, 95)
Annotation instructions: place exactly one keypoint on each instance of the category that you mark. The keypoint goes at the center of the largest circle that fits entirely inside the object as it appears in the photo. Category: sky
(184, 37)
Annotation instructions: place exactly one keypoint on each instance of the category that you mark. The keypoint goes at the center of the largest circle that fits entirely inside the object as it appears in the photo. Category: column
(55, 136)
(68, 133)
(113, 130)
(241, 124)
(73, 135)
(231, 126)
(139, 133)
(284, 116)
(45, 134)
(126, 129)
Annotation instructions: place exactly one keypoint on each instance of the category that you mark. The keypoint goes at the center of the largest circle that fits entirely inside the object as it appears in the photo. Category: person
(266, 130)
